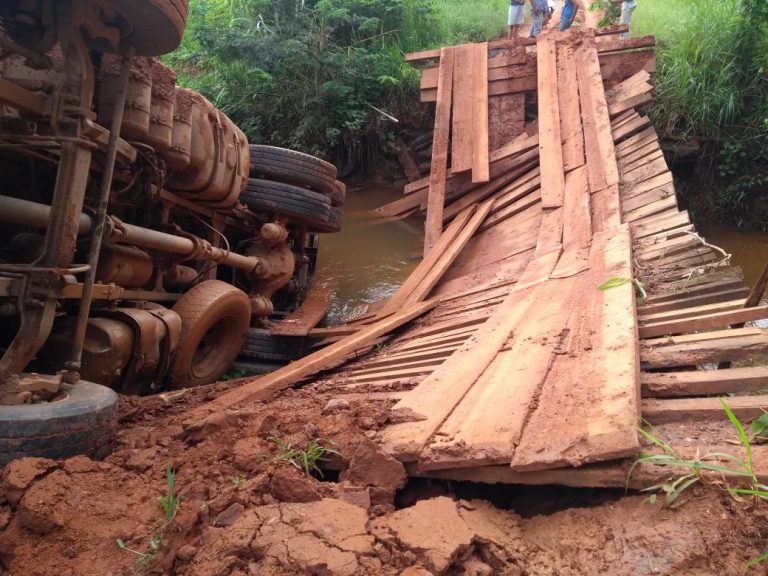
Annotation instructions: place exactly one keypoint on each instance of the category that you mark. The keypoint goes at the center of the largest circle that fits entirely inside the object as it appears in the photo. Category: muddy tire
(339, 194)
(291, 167)
(157, 25)
(261, 345)
(83, 421)
(214, 321)
(299, 204)
(335, 221)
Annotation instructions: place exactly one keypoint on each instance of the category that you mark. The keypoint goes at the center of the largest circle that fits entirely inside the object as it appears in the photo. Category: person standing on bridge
(516, 17)
(568, 15)
(539, 10)
(627, 8)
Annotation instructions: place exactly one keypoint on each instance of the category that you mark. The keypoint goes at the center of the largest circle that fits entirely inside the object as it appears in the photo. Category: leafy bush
(309, 74)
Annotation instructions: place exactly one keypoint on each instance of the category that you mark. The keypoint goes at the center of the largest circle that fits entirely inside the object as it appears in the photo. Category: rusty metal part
(181, 275)
(261, 307)
(22, 389)
(273, 233)
(37, 313)
(126, 266)
(100, 217)
(26, 213)
(276, 266)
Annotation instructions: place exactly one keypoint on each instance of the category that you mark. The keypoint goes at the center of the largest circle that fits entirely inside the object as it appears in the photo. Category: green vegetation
(169, 502)
(719, 463)
(712, 86)
(305, 459)
(308, 74)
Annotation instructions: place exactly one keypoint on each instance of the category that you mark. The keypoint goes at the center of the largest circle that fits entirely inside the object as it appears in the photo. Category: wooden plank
(504, 392)
(285, 377)
(433, 227)
(629, 88)
(433, 259)
(703, 352)
(631, 128)
(756, 294)
(550, 139)
(600, 152)
(480, 161)
(577, 225)
(463, 109)
(656, 225)
(696, 409)
(645, 198)
(704, 382)
(410, 168)
(495, 88)
(702, 336)
(436, 397)
(646, 318)
(650, 209)
(687, 301)
(591, 394)
(704, 322)
(571, 131)
(313, 309)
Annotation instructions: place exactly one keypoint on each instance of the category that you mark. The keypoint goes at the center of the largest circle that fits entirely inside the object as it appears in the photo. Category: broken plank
(312, 310)
(285, 377)
(577, 225)
(480, 161)
(704, 382)
(693, 300)
(550, 140)
(433, 227)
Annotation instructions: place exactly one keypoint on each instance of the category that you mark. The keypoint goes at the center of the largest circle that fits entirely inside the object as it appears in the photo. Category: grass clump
(169, 503)
(307, 458)
(721, 464)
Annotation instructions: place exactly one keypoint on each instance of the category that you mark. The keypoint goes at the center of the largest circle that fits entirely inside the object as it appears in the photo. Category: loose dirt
(242, 512)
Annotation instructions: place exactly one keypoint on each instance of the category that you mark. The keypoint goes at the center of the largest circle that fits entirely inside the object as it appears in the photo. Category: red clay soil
(242, 513)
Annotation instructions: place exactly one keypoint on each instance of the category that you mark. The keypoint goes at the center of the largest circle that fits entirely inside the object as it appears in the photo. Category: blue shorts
(567, 16)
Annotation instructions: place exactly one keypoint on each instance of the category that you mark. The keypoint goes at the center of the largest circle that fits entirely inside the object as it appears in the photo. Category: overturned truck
(144, 243)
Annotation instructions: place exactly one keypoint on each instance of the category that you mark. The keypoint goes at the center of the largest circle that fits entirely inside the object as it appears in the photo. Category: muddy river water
(369, 260)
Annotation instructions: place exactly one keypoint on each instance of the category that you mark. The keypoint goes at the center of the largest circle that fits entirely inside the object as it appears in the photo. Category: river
(369, 260)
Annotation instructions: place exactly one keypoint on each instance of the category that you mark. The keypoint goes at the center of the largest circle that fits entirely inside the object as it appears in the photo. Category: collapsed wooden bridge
(518, 350)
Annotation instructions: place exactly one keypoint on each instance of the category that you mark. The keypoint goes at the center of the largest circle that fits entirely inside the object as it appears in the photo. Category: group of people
(542, 10)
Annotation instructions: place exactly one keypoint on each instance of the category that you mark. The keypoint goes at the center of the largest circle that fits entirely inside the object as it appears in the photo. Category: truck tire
(335, 220)
(291, 167)
(295, 159)
(214, 321)
(261, 345)
(339, 194)
(299, 204)
(82, 421)
(157, 25)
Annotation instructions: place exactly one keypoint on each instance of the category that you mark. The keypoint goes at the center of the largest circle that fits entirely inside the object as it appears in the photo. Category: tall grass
(471, 20)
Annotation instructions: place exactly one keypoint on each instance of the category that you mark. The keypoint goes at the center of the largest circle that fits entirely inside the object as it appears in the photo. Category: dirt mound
(245, 508)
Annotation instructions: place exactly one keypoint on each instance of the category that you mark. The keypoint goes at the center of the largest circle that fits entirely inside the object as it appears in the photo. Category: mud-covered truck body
(142, 240)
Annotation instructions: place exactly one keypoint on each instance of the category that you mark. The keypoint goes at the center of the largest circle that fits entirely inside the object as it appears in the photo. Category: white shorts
(516, 15)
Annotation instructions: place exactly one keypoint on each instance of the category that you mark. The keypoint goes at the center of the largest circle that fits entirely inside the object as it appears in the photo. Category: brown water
(369, 260)
(749, 250)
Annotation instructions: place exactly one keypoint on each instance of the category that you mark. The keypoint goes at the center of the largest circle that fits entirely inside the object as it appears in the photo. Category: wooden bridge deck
(517, 366)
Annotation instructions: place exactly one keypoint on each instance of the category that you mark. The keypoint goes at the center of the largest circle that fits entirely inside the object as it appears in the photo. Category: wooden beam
(704, 382)
(436, 199)
(480, 161)
(703, 352)
(463, 109)
(285, 377)
(550, 140)
(704, 322)
(695, 409)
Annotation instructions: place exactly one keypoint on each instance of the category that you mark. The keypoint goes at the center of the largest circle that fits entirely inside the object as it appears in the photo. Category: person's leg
(567, 16)
(626, 14)
(537, 18)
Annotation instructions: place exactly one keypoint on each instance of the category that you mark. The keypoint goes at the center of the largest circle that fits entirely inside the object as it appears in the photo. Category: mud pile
(242, 511)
